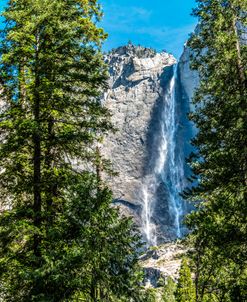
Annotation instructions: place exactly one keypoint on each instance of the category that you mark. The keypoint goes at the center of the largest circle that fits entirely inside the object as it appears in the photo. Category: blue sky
(161, 24)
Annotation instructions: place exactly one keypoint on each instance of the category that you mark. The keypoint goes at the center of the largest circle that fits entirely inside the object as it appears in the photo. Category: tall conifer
(185, 291)
(220, 165)
(168, 294)
(60, 240)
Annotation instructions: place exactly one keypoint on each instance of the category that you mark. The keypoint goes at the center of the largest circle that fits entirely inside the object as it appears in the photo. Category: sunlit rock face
(148, 97)
(162, 262)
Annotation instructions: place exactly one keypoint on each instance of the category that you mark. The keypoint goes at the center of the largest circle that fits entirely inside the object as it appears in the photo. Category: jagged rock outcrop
(162, 262)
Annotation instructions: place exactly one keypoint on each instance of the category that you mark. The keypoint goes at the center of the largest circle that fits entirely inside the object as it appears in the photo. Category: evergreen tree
(185, 291)
(220, 163)
(60, 239)
(150, 295)
(169, 291)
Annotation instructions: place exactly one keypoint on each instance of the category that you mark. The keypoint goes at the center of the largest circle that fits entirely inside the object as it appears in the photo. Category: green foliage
(60, 238)
(219, 165)
(161, 282)
(185, 291)
(169, 291)
(210, 298)
(150, 295)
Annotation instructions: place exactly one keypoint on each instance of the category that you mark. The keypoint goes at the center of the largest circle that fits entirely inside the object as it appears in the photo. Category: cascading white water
(147, 226)
(168, 167)
(172, 172)
(148, 197)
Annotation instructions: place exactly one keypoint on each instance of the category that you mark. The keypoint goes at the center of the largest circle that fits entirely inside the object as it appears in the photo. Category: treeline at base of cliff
(60, 237)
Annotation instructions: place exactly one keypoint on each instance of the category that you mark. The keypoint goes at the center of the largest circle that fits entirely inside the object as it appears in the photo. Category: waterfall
(148, 197)
(168, 170)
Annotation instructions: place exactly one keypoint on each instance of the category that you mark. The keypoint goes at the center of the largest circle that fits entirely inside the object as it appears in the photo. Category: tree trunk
(99, 168)
(198, 253)
(243, 84)
(93, 288)
(37, 161)
(37, 180)
(51, 188)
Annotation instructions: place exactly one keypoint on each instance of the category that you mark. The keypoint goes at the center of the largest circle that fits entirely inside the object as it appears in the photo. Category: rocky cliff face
(162, 262)
(149, 105)
(189, 79)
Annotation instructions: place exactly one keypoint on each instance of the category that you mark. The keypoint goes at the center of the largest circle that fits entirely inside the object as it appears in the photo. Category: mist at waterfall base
(168, 169)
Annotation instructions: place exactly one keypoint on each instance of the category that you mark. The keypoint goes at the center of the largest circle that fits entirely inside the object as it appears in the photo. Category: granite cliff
(149, 98)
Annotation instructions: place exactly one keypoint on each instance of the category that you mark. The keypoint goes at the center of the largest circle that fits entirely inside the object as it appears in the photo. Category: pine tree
(60, 239)
(220, 163)
(169, 291)
(185, 291)
(150, 295)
